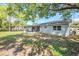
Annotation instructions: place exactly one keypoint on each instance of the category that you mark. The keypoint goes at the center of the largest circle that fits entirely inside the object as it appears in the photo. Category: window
(45, 27)
(56, 27)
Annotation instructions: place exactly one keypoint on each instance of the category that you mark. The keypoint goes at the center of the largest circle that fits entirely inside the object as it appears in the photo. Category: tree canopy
(39, 10)
(3, 16)
(33, 11)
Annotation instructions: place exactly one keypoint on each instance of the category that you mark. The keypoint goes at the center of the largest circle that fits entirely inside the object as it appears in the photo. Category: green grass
(7, 37)
(7, 33)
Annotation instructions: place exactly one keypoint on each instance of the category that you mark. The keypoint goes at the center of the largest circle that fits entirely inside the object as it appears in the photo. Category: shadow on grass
(59, 45)
(8, 41)
(62, 45)
(66, 47)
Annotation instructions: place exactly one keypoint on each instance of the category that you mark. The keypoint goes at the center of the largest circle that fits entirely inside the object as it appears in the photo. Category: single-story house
(61, 28)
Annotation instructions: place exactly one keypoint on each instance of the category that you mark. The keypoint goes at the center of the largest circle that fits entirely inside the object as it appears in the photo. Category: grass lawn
(38, 42)
(7, 37)
(6, 33)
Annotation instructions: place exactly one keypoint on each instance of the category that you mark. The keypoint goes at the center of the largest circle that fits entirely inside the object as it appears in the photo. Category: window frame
(58, 28)
(54, 27)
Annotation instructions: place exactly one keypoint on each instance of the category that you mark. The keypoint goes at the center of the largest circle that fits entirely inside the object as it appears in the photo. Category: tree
(37, 10)
(3, 16)
(34, 11)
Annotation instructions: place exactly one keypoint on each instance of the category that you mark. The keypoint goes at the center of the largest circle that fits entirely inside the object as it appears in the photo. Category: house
(61, 28)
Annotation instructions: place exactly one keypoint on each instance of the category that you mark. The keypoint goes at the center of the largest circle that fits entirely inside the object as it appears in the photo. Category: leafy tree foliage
(33, 11)
(3, 16)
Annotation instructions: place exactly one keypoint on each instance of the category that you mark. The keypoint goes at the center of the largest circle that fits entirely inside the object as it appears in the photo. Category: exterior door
(36, 29)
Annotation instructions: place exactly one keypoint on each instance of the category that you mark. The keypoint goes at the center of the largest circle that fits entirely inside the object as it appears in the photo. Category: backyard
(40, 44)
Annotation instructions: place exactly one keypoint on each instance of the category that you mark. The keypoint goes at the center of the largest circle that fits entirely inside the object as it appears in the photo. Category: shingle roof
(62, 22)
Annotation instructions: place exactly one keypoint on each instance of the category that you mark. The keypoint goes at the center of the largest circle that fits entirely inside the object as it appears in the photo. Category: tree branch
(65, 8)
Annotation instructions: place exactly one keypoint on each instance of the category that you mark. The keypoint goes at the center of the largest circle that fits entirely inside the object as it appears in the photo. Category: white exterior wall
(29, 29)
(49, 29)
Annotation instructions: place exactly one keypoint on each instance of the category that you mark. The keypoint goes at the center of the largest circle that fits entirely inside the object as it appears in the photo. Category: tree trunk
(9, 26)
(1, 24)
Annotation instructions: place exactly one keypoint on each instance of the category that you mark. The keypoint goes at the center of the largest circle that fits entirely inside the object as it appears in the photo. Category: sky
(75, 17)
